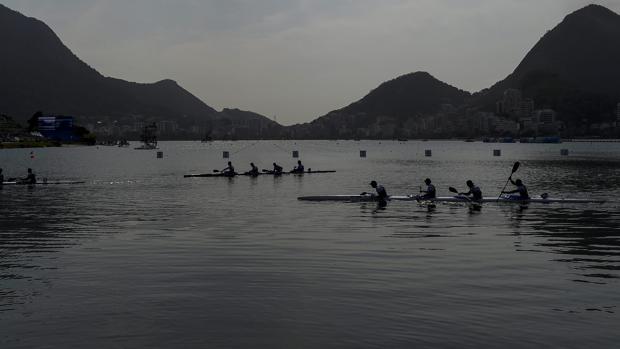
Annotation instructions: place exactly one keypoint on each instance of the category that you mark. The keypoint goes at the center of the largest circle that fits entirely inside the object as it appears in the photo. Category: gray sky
(299, 59)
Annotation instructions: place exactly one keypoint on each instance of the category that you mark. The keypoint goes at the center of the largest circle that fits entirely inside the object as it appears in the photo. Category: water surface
(139, 256)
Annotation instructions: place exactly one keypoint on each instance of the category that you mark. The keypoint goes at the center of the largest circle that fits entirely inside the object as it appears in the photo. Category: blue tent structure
(57, 128)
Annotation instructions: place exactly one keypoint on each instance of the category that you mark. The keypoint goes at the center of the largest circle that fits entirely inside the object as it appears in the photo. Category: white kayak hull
(46, 183)
(369, 198)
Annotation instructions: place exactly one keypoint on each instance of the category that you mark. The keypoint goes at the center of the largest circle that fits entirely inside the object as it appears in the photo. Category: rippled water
(139, 256)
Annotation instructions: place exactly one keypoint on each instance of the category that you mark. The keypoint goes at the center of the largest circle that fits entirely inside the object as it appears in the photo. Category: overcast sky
(299, 59)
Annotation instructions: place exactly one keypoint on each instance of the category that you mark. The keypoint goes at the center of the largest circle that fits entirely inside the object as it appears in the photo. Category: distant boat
(403, 140)
(148, 137)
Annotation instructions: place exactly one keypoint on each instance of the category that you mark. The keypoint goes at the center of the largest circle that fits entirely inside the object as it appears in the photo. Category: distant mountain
(241, 124)
(574, 68)
(406, 97)
(38, 72)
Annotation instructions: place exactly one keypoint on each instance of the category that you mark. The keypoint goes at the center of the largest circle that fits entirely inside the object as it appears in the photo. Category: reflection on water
(591, 239)
(141, 257)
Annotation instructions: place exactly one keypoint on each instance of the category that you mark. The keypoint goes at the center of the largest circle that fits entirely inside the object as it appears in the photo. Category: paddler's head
(373, 184)
(229, 163)
(29, 170)
(427, 181)
(470, 183)
(299, 162)
(519, 182)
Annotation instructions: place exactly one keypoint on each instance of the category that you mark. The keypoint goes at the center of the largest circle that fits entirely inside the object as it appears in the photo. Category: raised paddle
(515, 167)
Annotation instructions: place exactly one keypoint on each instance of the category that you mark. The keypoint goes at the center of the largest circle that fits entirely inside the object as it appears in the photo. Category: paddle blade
(453, 190)
(515, 167)
(216, 171)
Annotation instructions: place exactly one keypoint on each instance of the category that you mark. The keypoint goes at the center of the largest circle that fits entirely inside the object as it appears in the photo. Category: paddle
(225, 173)
(515, 167)
(453, 190)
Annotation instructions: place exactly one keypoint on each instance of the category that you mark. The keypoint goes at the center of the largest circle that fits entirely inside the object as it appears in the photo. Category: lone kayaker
(521, 190)
(474, 191)
(229, 171)
(299, 168)
(254, 171)
(30, 178)
(277, 169)
(430, 192)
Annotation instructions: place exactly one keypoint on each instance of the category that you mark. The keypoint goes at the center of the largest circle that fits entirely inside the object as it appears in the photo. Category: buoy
(226, 155)
(362, 153)
(497, 152)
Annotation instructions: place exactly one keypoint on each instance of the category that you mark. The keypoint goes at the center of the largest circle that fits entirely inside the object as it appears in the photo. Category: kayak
(370, 198)
(210, 175)
(45, 183)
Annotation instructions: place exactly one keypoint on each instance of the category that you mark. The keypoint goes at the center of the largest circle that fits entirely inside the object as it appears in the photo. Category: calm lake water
(140, 257)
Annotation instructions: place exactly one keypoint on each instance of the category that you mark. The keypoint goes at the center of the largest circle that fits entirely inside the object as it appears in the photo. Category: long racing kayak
(370, 198)
(45, 183)
(210, 175)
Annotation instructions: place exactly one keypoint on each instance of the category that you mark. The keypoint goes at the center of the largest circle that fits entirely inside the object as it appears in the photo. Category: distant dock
(592, 140)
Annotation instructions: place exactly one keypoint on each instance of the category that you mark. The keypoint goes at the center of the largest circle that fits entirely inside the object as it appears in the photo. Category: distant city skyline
(299, 59)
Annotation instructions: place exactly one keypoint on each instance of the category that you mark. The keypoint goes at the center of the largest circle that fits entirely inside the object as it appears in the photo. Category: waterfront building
(58, 128)
(545, 116)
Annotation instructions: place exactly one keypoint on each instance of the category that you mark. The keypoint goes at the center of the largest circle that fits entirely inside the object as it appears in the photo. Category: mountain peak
(408, 95)
(593, 9)
(591, 15)
(167, 82)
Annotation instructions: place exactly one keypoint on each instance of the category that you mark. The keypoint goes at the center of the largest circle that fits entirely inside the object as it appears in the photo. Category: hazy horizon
(299, 59)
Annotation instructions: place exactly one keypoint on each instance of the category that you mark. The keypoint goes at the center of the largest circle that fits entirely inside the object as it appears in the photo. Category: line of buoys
(363, 153)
